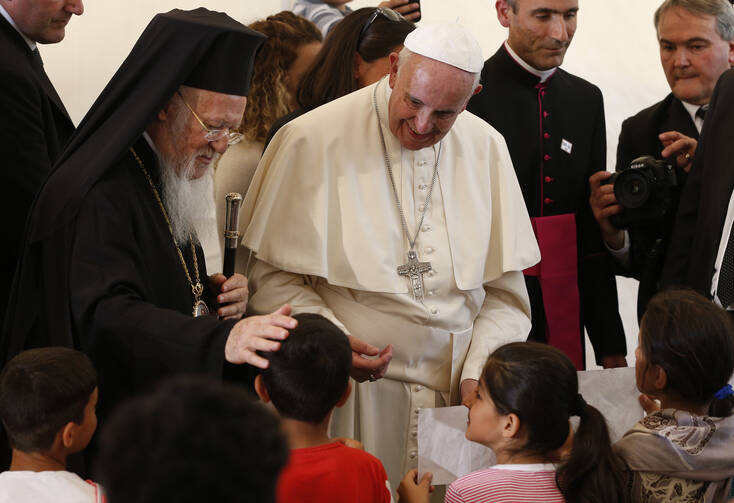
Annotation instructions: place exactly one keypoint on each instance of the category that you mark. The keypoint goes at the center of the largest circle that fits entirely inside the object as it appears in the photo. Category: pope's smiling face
(427, 97)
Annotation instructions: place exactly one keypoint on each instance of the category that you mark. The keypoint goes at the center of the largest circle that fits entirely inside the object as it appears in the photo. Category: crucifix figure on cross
(414, 270)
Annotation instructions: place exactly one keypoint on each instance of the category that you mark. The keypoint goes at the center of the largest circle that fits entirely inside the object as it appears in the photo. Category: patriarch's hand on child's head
(412, 491)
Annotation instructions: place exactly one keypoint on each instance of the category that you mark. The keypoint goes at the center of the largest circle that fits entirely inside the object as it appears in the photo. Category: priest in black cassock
(111, 262)
(553, 123)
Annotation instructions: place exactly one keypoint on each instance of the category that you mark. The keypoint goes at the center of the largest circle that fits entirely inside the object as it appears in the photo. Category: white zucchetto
(448, 43)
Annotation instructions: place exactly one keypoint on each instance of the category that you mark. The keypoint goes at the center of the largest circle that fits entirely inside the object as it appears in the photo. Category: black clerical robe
(130, 300)
(639, 136)
(555, 133)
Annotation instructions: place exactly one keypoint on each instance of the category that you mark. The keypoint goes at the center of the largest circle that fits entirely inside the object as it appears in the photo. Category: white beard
(186, 199)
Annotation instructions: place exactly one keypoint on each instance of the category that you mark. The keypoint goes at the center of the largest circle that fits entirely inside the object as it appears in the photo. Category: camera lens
(631, 188)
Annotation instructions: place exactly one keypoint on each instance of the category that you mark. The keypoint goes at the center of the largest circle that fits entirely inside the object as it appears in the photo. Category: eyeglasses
(214, 134)
(388, 14)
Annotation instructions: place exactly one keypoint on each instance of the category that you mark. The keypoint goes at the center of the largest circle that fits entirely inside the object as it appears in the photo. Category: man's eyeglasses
(388, 14)
(214, 134)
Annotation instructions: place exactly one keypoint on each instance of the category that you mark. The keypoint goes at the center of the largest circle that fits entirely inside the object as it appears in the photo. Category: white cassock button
(417, 410)
(423, 186)
(413, 454)
(426, 228)
(414, 434)
(432, 273)
(421, 207)
(429, 249)
(418, 388)
(432, 293)
(421, 163)
(434, 311)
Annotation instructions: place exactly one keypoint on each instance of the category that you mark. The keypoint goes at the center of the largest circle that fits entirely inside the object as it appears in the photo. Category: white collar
(31, 43)
(692, 109)
(152, 145)
(530, 467)
(543, 74)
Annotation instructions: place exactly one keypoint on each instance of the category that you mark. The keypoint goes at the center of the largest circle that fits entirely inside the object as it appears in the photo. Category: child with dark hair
(521, 410)
(305, 379)
(48, 398)
(193, 439)
(683, 450)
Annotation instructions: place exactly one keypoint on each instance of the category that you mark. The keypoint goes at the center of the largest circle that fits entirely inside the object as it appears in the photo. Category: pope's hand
(364, 369)
(349, 442)
(233, 295)
(412, 491)
(258, 333)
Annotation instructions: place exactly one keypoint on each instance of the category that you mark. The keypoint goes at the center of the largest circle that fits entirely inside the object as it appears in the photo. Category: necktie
(725, 288)
(37, 61)
(701, 112)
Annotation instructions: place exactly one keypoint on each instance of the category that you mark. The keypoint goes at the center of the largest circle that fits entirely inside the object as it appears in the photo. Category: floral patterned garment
(675, 456)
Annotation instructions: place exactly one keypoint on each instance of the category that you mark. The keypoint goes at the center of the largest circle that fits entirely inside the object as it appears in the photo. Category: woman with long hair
(355, 54)
(292, 44)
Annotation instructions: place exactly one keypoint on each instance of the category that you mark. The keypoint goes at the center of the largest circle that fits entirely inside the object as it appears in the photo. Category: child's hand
(649, 404)
(412, 491)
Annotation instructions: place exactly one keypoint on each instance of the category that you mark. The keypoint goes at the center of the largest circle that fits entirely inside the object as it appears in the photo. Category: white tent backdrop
(614, 47)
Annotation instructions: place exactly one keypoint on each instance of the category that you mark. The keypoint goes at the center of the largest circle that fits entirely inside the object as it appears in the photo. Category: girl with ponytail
(683, 450)
(521, 410)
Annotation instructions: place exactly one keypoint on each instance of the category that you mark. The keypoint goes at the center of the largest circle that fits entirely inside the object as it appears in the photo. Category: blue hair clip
(724, 392)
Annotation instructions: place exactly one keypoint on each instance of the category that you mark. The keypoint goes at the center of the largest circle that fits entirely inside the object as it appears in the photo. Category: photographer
(696, 47)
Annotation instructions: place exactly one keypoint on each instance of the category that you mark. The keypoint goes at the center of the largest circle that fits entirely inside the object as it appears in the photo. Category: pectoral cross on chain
(414, 270)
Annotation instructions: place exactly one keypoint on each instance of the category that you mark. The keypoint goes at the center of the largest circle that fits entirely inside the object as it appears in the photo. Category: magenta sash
(557, 273)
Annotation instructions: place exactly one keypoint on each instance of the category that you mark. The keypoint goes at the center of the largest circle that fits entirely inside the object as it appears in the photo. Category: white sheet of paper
(444, 450)
(614, 392)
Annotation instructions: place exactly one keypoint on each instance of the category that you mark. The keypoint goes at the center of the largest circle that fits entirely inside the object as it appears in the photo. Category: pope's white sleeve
(504, 317)
(271, 287)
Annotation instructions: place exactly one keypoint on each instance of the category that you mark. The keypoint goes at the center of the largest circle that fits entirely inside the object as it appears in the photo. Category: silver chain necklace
(413, 269)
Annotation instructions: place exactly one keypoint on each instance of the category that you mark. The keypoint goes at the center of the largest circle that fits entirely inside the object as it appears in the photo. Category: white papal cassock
(322, 222)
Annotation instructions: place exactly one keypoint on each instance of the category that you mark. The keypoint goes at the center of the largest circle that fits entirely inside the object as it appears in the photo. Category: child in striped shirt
(521, 410)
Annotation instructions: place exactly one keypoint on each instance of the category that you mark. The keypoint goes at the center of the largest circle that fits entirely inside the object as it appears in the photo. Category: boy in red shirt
(306, 378)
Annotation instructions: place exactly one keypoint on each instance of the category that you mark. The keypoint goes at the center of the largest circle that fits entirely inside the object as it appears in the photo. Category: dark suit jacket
(555, 180)
(639, 136)
(703, 205)
(34, 126)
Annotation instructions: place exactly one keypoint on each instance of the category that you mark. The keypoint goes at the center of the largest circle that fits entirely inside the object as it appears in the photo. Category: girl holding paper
(521, 410)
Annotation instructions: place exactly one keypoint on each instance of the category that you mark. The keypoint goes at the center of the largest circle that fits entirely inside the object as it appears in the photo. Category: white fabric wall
(614, 47)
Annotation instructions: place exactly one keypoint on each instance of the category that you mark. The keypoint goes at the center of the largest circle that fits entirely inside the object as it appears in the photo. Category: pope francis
(397, 215)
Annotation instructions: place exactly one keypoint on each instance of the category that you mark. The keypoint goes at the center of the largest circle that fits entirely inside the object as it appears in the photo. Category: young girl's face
(485, 422)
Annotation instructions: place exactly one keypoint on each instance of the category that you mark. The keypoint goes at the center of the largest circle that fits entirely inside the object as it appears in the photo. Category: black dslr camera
(646, 191)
